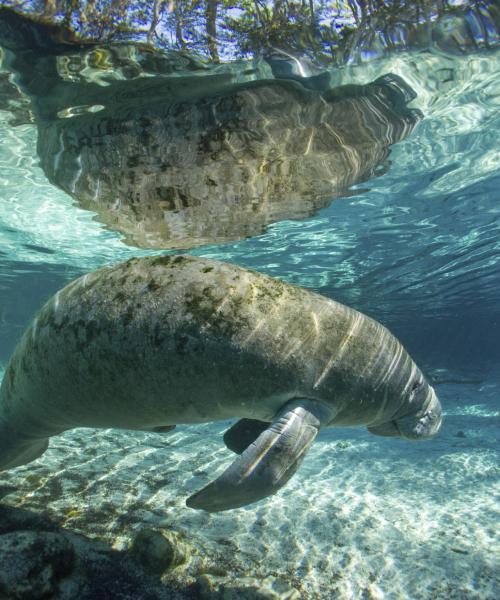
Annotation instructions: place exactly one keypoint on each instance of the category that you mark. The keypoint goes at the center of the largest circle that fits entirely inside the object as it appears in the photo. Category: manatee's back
(164, 340)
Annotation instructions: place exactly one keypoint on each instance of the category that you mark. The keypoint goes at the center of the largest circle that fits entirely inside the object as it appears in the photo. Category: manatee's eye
(416, 385)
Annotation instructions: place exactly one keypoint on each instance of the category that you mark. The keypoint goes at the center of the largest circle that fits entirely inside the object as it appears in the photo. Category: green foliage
(223, 29)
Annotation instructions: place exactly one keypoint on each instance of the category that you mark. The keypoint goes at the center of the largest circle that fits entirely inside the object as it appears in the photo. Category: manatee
(158, 341)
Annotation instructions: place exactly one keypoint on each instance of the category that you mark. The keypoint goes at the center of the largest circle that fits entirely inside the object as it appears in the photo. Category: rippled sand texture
(364, 517)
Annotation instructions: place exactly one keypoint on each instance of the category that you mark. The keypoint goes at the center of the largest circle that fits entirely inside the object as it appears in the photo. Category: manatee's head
(420, 415)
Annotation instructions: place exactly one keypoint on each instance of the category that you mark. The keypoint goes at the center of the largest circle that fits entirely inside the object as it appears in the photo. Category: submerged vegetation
(325, 31)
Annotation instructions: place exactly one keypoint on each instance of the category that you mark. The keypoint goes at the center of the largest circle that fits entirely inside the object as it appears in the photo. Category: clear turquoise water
(418, 249)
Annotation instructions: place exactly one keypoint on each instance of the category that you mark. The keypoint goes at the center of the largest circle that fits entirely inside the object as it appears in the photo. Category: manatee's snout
(425, 422)
(421, 423)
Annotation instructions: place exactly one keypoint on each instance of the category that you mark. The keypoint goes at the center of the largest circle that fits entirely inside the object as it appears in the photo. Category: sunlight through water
(400, 221)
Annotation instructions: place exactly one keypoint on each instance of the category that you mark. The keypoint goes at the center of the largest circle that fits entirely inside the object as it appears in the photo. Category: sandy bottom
(365, 518)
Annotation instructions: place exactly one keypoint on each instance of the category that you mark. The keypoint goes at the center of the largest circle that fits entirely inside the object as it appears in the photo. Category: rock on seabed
(32, 563)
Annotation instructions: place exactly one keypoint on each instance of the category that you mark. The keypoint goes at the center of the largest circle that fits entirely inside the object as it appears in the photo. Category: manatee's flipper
(269, 462)
(163, 428)
(158, 429)
(238, 437)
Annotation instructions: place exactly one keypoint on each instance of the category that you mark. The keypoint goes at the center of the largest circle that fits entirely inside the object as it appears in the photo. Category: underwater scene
(250, 300)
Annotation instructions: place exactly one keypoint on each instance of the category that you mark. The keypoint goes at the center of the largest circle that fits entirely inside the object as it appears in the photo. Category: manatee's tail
(16, 450)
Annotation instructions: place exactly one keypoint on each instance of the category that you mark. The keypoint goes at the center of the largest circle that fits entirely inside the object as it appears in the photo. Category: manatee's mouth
(426, 423)
(420, 424)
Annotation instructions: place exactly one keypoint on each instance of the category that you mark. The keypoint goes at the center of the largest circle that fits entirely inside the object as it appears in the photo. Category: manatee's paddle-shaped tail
(18, 445)
(269, 462)
(16, 449)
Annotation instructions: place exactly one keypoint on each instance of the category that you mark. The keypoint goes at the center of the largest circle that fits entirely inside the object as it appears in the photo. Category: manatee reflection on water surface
(175, 155)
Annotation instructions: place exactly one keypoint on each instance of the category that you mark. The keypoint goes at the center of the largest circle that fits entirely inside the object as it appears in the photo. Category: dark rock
(39, 559)
(343, 445)
(32, 563)
(157, 551)
(17, 519)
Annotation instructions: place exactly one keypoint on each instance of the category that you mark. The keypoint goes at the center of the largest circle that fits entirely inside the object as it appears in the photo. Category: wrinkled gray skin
(158, 341)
